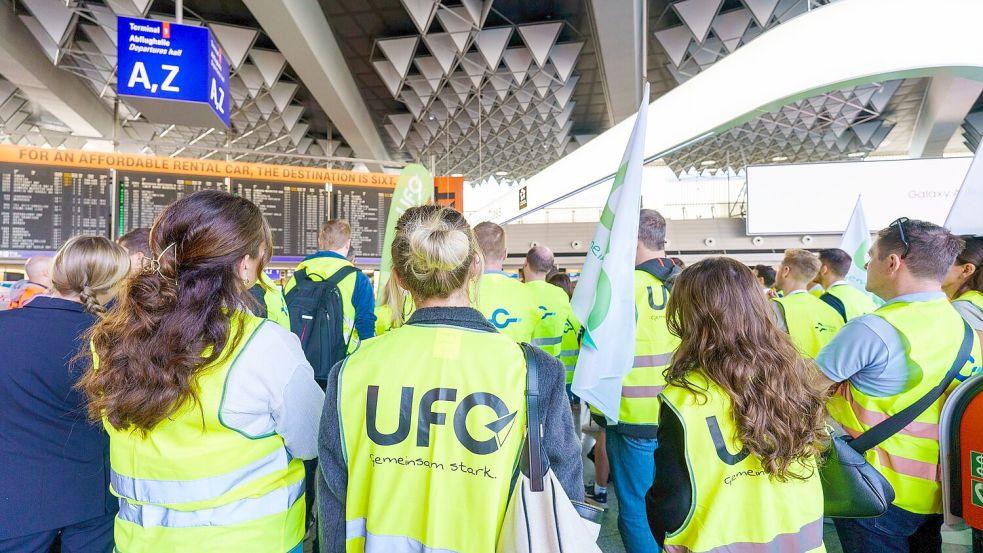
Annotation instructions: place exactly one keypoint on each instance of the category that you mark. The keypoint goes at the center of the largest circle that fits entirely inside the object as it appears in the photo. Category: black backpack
(317, 318)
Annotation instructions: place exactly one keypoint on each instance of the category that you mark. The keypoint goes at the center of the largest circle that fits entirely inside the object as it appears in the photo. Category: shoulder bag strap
(898, 421)
(534, 423)
(836, 303)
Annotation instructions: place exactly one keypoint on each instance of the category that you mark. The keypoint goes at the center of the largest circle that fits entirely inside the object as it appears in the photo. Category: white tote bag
(540, 517)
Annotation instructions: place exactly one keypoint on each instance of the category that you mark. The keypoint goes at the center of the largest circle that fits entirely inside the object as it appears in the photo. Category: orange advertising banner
(189, 166)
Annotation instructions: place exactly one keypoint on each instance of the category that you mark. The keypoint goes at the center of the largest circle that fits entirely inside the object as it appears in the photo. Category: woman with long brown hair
(53, 461)
(209, 409)
(741, 424)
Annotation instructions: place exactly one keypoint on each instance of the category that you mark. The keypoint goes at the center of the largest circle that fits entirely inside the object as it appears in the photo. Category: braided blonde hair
(89, 266)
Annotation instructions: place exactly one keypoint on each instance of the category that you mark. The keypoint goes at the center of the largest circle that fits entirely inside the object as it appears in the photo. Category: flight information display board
(42, 206)
(294, 212)
(142, 196)
(365, 209)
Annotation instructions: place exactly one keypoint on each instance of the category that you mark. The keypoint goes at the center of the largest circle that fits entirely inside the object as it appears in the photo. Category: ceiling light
(779, 158)
(857, 154)
(431, 117)
(501, 173)
(708, 162)
(456, 175)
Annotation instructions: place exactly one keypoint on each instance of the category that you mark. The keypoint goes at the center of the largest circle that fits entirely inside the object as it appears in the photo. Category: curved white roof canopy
(839, 45)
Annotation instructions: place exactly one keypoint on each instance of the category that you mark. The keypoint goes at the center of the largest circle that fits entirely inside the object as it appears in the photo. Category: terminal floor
(610, 540)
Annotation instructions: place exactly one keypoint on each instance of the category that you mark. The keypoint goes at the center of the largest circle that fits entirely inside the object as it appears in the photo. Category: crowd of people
(172, 398)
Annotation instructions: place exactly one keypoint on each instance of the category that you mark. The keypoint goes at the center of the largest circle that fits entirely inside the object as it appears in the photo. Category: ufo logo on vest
(501, 318)
(429, 416)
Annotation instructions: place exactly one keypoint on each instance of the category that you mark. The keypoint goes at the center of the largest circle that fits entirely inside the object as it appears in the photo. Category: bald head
(491, 240)
(38, 270)
(539, 262)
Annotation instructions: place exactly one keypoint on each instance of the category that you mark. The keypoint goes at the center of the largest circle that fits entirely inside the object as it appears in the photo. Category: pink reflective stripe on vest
(903, 465)
(641, 391)
(872, 418)
(656, 360)
(808, 538)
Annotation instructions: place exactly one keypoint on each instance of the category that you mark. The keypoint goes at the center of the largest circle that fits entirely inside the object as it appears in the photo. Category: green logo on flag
(860, 256)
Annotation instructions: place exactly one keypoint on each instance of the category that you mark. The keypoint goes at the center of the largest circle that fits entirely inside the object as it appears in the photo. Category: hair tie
(153, 265)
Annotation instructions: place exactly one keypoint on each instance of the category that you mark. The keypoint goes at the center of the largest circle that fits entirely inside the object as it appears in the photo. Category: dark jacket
(54, 468)
(561, 445)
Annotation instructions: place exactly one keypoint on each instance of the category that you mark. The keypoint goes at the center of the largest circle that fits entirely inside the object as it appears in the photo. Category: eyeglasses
(900, 223)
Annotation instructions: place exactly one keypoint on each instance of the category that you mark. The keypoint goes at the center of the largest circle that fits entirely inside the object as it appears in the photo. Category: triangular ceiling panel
(478, 10)
(54, 16)
(491, 43)
(518, 61)
(457, 22)
(540, 37)
(430, 69)
(251, 78)
(762, 10)
(270, 64)
(698, 15)
(282, 92)
(389, 75)
(564, 58)
(399, 51)
(291, 115)
(235, 42)
(675, 41)
(402, 123)
(421, 12)
(442, 47)
(730, 26)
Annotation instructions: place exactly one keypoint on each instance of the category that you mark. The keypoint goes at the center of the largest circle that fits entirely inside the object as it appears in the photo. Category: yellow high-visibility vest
(855, 302)
(508, 305)
(932, 332)
(432, 442)
(554, 308)
(811, 322)
(735, 505)
(194, 484)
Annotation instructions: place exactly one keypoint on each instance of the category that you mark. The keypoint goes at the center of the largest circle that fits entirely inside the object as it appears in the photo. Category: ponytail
(87, 267)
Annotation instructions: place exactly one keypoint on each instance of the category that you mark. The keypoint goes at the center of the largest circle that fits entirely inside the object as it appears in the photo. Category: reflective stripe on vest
(725, 479)
(570, 345)
(654, 346)
(508, 305)
(855, 302)
(355, 529)
(322, 267)
(554, 309)
(214, 480)
(810, 321)
(441, 429)
(932, 333)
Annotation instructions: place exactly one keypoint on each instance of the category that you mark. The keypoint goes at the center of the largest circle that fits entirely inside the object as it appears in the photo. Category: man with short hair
(847, 300)
(334, 241)
(886, 361)
(631, 444)
(809, 321)
(765, 276)
(137, 245)
(552, 301)
(507, 304)
(37, 269)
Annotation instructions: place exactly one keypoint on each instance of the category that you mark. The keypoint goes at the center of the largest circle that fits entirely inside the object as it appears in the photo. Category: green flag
(414, 188)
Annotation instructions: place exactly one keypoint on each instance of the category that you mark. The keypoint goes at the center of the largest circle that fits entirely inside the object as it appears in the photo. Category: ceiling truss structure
(480, 99)
(79, 36)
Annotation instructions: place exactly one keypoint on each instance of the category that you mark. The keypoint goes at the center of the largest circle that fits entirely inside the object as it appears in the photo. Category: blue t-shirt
(870, 353)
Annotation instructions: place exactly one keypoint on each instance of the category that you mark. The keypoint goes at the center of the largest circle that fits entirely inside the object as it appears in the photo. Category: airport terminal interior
(803, 174)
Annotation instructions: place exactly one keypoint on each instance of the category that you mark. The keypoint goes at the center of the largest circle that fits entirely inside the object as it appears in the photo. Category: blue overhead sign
(172, 73)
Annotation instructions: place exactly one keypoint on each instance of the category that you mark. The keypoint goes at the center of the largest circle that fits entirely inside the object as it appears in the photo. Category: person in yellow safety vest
(334, 242)
(272, 304)
(570, 343)
(420, 454)
(849, 301)
(505, 302)
(631, 443)
(808, 320)
(209, 410)
(964, 283)
(552, 302)
(384, 320)
(883, 362)
(741, 424)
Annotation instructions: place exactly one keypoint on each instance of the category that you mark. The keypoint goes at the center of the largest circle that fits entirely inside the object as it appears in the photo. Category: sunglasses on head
(900, 223)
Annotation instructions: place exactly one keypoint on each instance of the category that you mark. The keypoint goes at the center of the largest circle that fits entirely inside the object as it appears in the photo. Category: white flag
(856, 242)
(964, 216)
(604, 300)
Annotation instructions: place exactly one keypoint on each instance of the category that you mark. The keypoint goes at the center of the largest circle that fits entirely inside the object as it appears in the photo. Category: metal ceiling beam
(58, 92)
(946, 103)
(302, 34)
(617, 24)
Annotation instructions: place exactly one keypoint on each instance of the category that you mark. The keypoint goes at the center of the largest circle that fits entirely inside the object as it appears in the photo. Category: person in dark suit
(54, 463)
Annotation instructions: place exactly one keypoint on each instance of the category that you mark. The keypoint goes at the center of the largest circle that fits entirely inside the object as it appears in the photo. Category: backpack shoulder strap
(903, 418)
(836, 303)
(534, 423)
(340, 275)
